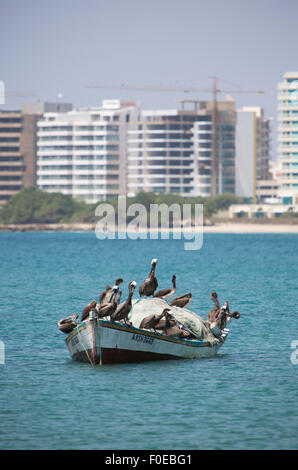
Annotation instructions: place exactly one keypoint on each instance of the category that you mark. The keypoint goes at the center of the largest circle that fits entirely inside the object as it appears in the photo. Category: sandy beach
(251, 228)
(228, 227)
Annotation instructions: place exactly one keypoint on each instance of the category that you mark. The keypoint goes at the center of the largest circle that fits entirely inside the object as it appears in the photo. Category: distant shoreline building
(288, 136)
(11, 159)
(82, 152)
(18, 147)
(205, 148)
(170, 151)
(252, 151)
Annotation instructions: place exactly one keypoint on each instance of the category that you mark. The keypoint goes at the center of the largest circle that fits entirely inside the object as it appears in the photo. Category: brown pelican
(214, 297)
(123, 309)
(108, 308)
(106, 294)
(150, 284)
(182, 301)
(119, 296)
(167, 293)
(87, 309)
(220, 315)
(68, 324)
(154, 321)
(234, 314)
(213, 314)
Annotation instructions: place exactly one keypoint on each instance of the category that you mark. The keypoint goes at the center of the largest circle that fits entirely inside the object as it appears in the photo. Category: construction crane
(215, 90)
(19, 94)
(160, 88)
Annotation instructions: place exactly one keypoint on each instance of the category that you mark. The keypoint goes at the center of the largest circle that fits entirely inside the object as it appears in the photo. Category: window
(9, 178)
(9, 149)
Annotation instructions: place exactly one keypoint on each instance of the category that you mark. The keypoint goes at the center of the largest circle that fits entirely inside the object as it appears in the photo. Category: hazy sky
(61, 46)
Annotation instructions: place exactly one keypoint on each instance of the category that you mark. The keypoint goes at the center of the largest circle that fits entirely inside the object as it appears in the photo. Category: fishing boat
(100, 341)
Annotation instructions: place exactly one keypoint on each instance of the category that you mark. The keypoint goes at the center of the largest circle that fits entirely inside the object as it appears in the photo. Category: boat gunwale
(132, 329)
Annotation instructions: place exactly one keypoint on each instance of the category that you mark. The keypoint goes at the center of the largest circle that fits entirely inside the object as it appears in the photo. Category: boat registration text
(142, 338)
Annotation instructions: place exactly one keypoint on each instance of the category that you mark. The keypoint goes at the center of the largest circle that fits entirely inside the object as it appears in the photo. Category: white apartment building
(288, 136)
(252, 150)
(160, 152)
(83, 152)
(268, 190)
(170, 151)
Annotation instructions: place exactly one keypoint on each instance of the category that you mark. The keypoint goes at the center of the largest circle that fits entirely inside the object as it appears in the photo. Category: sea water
(244, 398)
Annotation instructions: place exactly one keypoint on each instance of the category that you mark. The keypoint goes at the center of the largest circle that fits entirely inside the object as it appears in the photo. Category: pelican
(119, 296)
(182, 301)
(234, 314)
(68, 324)
(154, 321)
(108, 308)
(105, 295)
(150, 284)
(87, 309)
(165, 294)
(123, 309)
(221, 315)
(213, 314)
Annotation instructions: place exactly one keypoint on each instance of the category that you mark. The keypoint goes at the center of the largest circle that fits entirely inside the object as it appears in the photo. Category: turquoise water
(245, 398)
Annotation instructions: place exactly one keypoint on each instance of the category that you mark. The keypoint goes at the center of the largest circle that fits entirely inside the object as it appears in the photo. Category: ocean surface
(244, 398)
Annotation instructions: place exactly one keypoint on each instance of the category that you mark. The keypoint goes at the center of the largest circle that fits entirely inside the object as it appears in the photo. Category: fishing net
(144, 307)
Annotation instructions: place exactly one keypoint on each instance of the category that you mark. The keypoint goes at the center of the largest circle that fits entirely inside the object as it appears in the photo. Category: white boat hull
(103, 342)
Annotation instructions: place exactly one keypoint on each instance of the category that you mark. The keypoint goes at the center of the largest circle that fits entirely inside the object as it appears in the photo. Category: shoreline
(220, 227)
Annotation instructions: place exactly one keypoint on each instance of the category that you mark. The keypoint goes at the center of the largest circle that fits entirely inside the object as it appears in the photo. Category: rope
(130, 313)
(99, 345)
(84, 346)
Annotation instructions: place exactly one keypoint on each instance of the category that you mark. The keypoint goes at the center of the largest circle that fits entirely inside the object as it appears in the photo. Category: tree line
(32, 205)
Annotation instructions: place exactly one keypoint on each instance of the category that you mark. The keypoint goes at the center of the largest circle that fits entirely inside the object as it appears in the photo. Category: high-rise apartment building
(160, 152)
(18, 147)
(171, 151)
(288, 136)
(83, 152)
(214, 145)
(11, 158)
(252, 150)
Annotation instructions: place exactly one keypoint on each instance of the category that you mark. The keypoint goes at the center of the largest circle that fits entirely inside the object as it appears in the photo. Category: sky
(63, 46)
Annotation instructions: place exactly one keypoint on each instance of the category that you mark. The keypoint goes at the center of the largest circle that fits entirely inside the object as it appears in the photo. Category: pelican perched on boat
(87, 309)
(124, 308)
(234, 314)
(108, 308)
(182, 301)
(214, 297)
(150, 284)
(165, 294)
(119, 297)
(68, 324)
(213, 314)
(156, 322)
(219, 317)
(106, 294)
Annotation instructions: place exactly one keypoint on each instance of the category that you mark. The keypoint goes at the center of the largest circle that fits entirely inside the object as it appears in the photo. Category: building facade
(252, 151)
(170, 151)
(160, 152)
(83, 152)
(288, 136)
(18, 147)
(11, 159)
